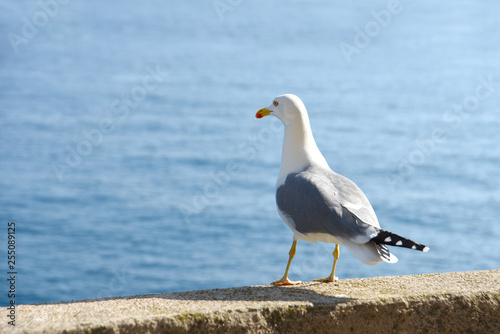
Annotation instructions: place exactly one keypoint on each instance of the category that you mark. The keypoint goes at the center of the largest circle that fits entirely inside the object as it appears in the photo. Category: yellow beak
(262, 113)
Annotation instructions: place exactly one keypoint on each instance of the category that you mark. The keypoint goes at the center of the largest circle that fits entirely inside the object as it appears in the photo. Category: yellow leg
(284, 280)
(331, 278)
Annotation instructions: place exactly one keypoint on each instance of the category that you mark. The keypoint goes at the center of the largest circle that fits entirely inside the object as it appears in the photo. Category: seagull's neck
(299, 148)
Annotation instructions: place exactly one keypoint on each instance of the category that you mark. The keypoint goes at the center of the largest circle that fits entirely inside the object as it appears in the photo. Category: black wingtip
(392, 239)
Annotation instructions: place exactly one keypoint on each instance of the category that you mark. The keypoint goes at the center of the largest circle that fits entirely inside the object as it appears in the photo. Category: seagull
(318, 204)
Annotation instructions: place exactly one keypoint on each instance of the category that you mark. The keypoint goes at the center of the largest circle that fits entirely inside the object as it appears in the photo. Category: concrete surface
(464, 302)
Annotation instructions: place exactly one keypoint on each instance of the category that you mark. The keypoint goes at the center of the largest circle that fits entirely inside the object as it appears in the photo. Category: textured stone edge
(461, 302)
(447, 313)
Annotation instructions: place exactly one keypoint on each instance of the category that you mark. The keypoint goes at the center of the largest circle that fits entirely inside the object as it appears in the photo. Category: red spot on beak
(259, 115)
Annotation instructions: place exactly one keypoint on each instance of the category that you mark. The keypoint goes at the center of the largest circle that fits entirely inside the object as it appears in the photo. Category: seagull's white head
(299, 148)
(286, 107)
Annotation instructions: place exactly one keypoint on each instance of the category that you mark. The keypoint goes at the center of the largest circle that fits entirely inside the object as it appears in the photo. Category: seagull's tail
(392, 239)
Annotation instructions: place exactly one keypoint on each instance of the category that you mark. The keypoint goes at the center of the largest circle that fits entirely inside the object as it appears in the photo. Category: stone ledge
(464, 302)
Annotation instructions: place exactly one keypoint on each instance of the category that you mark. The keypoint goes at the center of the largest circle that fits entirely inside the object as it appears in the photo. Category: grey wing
(353, 199)
(317, 204)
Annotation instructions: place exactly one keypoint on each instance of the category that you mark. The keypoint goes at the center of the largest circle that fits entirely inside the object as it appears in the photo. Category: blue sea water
(131, 162)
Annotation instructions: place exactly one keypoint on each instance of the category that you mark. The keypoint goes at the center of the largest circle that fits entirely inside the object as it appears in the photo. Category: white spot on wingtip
(388, 239)
(399, 243)
(414, 247)
(426, 249)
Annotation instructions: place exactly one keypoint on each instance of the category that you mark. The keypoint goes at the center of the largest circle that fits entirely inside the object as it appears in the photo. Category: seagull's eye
(275, 103)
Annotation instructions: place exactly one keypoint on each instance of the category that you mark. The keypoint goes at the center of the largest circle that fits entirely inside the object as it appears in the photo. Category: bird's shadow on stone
(298, 293)
(304, 292)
